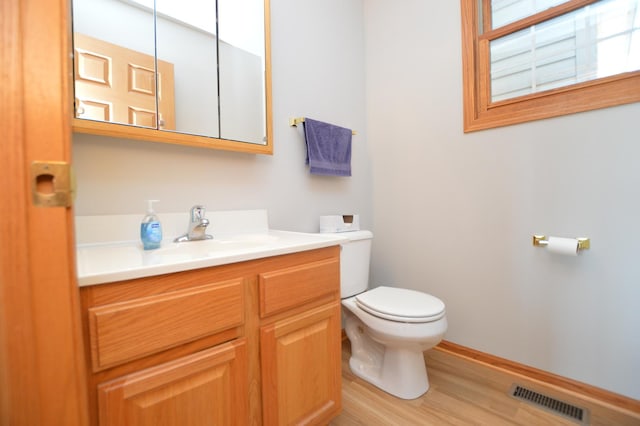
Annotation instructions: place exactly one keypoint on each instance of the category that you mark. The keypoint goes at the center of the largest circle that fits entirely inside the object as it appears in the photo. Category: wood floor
(462, 392)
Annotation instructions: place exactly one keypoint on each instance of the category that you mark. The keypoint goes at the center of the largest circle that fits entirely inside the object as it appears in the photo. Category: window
(525, 60)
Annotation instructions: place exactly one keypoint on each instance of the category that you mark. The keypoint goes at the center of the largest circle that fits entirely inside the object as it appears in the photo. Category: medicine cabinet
(194, 72)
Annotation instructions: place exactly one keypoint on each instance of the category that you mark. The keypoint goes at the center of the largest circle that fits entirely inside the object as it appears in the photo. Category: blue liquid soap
(151, 229)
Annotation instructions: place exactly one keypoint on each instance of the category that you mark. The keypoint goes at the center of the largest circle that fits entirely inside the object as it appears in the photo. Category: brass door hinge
(52, 184)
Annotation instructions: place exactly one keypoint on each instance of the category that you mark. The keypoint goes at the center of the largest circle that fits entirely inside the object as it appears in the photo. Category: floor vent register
(549, 404)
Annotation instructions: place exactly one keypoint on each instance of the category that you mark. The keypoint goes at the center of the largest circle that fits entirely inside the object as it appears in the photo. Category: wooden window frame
(480, 113)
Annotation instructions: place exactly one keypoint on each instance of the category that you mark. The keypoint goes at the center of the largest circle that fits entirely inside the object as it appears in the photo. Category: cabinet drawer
(290, 287)
(124, 331)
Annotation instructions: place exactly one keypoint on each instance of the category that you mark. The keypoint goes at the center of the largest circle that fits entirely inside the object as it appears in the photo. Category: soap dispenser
(150, 228)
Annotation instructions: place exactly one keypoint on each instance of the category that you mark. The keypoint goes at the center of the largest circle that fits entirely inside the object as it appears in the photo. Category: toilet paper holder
(541, 241)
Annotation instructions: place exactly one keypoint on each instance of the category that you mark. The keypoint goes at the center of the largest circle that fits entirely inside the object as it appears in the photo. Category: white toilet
(389, 328)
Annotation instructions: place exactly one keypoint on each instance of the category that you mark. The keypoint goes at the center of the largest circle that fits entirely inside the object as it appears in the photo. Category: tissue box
(339, 223)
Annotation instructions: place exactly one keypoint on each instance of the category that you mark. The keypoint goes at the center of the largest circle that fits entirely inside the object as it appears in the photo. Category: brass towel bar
(293, 122)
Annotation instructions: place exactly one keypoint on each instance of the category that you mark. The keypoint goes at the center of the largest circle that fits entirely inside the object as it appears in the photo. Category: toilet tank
(354, 262)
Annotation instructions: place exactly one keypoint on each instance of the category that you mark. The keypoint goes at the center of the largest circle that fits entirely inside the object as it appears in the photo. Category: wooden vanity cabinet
(255, 342)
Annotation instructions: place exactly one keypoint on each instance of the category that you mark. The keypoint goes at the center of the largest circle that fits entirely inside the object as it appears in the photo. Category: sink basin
(110, 262)
(207, 248)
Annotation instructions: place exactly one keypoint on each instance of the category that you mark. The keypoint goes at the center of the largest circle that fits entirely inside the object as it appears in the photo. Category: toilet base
(399, 371)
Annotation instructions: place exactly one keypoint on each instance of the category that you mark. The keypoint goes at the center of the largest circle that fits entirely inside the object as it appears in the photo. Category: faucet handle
(197, 212)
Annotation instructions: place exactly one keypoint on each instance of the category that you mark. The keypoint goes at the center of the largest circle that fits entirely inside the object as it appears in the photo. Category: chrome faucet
(197, 226)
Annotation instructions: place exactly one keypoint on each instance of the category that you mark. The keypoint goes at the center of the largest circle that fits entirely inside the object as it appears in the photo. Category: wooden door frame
(42, 367)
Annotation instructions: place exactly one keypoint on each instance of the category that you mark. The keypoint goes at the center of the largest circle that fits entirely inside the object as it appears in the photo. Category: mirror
(193, 72)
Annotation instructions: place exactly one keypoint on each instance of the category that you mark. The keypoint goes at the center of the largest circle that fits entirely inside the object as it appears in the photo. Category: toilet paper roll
(565, 246)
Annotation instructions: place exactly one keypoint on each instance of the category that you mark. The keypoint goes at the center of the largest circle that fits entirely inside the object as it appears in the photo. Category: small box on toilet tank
(339, 223)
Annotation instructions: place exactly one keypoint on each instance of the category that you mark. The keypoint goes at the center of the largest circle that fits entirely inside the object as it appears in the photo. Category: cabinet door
(206, 388)
(301, 377)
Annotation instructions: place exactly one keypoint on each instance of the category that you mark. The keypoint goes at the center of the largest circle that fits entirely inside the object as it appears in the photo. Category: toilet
(389, 327)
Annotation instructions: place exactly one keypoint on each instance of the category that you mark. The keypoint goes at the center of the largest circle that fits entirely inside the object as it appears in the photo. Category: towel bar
(293, 122)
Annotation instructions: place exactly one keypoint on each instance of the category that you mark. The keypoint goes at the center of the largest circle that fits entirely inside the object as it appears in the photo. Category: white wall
(454, 214)
(316, 73)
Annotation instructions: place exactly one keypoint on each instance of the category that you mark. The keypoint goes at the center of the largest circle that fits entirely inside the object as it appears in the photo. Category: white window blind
(596, 41)
(504, 12)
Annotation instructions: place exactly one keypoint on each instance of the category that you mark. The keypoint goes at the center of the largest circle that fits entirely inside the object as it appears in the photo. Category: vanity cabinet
(255, 342)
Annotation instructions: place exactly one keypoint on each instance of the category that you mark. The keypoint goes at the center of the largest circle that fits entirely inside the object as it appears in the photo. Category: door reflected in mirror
(166, 69)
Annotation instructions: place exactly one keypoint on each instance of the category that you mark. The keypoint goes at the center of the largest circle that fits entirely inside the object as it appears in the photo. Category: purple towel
(328, 148)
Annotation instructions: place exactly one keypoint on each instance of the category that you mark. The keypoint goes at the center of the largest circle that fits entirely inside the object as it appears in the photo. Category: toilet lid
(401, 304)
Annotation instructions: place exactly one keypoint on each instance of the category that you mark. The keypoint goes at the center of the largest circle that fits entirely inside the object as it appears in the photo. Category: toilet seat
(401, 305)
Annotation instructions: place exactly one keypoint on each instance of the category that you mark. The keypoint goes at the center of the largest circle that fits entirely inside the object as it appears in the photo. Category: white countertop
(106, 262)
